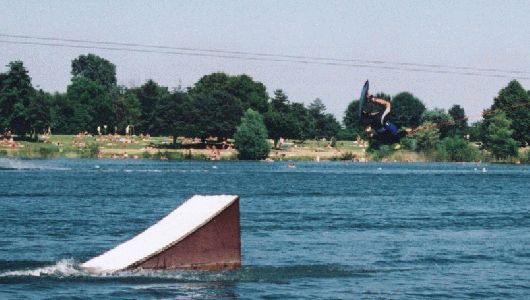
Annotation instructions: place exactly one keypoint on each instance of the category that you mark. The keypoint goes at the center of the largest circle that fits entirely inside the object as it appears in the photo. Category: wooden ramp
(202, 233)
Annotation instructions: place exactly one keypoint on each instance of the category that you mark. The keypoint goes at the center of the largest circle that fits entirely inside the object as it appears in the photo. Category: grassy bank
(120, 147)
(135, 147)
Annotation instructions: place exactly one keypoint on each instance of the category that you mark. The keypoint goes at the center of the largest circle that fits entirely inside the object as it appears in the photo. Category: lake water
(321, 230)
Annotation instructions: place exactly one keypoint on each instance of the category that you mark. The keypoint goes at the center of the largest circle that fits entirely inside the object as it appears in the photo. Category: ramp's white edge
(185, 219)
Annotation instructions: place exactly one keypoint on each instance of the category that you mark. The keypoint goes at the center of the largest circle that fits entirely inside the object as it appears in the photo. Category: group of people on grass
(6, 139)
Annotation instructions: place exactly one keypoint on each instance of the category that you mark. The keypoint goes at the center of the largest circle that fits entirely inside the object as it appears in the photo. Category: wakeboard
(363, 100)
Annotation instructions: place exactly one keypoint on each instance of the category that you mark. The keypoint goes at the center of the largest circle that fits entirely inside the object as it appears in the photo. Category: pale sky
(475, 34)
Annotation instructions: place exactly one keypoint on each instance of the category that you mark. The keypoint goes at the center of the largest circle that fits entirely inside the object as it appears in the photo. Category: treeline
(214, 107)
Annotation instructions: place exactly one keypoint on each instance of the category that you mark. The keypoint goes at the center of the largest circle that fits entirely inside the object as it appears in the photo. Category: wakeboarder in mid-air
(376, 123)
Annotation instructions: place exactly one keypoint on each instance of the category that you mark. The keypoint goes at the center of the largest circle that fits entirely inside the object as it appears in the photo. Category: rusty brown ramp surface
(202, 233)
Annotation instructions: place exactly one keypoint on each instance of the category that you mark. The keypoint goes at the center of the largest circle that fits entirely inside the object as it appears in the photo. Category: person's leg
(385, 115)
(382, 115)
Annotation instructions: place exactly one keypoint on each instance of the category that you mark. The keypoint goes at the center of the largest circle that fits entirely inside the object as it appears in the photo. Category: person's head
(369, 131)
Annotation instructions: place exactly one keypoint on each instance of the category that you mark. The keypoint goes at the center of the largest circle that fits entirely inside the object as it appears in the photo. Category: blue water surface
(328, 230)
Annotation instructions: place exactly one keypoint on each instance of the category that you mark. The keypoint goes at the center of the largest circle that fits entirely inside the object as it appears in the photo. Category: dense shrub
(409, 143)
(251, 137)
(382, 152)
(456, 149)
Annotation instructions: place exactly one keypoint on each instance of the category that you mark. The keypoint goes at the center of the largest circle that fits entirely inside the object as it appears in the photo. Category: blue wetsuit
(385, 131)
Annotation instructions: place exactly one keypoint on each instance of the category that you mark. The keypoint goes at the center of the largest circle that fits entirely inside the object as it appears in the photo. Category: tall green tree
(149, 94)
(61, 111)
(475, 132)
(175, 116)
(251, 137)
(126, 108)
(326, 126)
(278, 118)
(514, 101)
(279, 125)
(317, 107)
(91, 103)
(352, 122)
(250, 93)
(218, 114)
(95, 68)
(459, 126)
(351, 115)
(280, 102)
(217, 81)
(38, 114)
(92, 93)
(304, 125)
(16, 92)
(497, 136)
(407, 110)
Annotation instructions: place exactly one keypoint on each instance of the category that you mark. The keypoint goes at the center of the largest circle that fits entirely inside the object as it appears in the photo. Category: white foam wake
(17, 164)
(63, 268)
(71, 268)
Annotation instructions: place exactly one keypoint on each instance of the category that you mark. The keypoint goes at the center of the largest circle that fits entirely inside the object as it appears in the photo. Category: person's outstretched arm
(380, 101)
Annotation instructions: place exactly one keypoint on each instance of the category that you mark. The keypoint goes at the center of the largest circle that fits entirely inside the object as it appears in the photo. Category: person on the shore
(377, 126)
